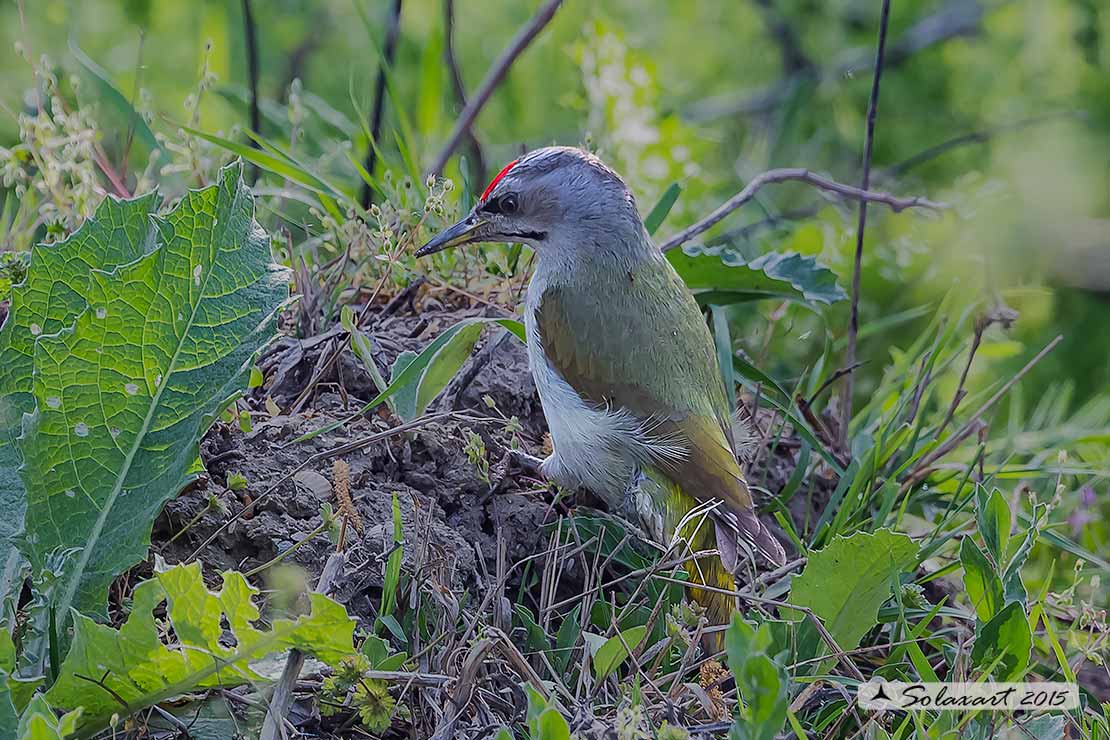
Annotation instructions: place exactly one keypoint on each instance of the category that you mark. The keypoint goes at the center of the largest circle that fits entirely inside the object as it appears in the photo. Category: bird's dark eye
(508, 204)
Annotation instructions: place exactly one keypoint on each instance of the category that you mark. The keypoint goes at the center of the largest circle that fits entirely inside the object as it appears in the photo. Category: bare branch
(861, 227)
(493, 78)
(389, 52)
(745, 232)
(973, 137)
(799, 174)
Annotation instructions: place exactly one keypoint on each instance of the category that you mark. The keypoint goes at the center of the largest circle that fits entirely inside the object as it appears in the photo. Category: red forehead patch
(497, 179)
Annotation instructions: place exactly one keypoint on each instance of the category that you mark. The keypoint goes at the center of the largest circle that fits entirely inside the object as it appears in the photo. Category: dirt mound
(451, 516)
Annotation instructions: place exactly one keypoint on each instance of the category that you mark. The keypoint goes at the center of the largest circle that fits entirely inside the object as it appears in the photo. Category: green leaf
(1004, 644)
(142, 665)
(983, 586)
(444, 364)
(535, 639)
(8, 716)
(392, 581)
(760, 680)
(659, 212)
(552, 726)
(1012, 586)
(722, 340)
(412, 371)
(364, 350)
(39, 722)
(536, 705)
(613, 652)
(47, 301)
(566, 638)
(123, 394)
(403, 398)
(993, 516)
(846, 582)
(377, 652)
(772, 275)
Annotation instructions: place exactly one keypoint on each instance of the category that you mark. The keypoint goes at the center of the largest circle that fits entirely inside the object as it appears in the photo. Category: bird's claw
(528, 463)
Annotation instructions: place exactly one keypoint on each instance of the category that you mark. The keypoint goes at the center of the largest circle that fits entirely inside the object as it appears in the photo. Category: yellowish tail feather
(708, 528)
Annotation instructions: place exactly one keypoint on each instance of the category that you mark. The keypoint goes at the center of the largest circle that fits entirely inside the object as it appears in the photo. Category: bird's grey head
(558, 200)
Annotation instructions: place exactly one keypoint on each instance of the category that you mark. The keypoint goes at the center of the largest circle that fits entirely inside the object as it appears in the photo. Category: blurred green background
(1001, 109)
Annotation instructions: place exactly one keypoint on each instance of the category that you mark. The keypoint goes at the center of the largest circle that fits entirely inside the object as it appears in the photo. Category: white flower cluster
(55, 159)
(623, 110)
(436, 203)
(188, 154)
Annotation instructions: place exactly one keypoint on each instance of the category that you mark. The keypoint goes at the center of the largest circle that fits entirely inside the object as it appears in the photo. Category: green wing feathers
(637, 341)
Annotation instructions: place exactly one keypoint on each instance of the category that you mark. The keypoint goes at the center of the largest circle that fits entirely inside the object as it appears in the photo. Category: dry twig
(972, 424)
(493, 78)
(477, 158)
(799, 174)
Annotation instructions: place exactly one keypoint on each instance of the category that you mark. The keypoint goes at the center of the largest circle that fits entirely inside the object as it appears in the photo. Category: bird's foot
(528, 463)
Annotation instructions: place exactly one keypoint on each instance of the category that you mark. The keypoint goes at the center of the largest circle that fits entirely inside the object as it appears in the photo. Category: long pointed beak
(464, 232)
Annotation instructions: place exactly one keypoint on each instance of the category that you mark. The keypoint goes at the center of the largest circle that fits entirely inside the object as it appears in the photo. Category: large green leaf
(8, 716)
(732, 278)
(47, 301)
(846, 582)
(123, 395)
(141, 665)
(1004, 644)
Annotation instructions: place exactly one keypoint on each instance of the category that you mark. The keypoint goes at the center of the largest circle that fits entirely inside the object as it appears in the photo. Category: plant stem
(861, 225)
(250, 37)
(389, 52)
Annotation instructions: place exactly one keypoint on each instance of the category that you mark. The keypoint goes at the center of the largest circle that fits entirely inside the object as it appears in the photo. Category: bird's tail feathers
(746, 527)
